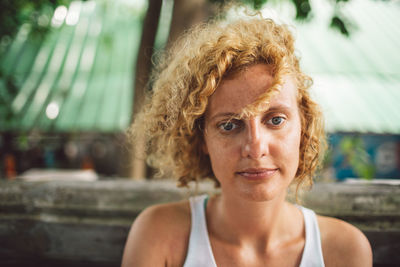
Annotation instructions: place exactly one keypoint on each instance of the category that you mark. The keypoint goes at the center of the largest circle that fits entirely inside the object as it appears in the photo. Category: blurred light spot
(73, 13)
(71, 150)
(43, 20)
(52, 110)
(59, 15)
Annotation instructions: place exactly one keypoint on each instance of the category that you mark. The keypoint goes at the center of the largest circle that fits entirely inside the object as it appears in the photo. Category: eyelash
(237, 124)
(222, 124)
(283, 119)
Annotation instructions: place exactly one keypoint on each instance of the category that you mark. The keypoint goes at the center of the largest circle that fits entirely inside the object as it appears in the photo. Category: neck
(239, 221)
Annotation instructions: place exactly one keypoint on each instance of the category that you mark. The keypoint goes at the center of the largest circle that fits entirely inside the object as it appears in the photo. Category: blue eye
(276, 121)
(228, 126)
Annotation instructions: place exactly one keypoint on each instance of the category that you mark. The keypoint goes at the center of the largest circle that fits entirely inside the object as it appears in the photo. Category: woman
(231, 103)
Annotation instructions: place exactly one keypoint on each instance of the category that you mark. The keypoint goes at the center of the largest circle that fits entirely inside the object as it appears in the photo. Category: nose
(255, 144)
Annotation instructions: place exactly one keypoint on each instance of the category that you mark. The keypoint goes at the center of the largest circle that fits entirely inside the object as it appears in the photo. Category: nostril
(253, 149)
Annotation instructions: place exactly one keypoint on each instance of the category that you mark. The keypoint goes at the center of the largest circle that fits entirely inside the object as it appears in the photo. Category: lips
(257, 173)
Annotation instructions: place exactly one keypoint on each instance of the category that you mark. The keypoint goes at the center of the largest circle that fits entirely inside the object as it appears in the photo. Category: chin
(260, 194)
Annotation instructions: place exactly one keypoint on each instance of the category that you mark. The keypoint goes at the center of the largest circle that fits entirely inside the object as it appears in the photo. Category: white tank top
(200, 253)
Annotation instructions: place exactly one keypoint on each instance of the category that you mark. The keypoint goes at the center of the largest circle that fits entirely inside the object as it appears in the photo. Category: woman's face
(255, 157)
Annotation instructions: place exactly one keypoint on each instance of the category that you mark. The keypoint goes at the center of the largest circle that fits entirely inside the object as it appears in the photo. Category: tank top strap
(199, 250)
(312, 253)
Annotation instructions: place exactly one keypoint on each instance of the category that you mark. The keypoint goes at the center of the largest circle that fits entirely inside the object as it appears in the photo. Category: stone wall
(64, 223)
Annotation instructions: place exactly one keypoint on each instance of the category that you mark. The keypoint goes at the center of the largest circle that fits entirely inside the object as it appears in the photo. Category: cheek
(216, 151)
(295, 137)
(294, 146)
(290, 145)
(221, 154)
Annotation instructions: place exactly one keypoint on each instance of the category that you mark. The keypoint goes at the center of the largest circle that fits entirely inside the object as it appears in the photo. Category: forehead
(243, 89)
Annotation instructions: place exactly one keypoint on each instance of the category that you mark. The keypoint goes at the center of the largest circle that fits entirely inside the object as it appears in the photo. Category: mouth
(257, 173)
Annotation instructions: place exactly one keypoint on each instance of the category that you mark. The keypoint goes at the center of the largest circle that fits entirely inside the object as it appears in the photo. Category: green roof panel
(80, 77)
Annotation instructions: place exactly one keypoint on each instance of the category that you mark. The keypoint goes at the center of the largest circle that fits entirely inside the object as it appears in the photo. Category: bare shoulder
(343, 244)
(159, 236)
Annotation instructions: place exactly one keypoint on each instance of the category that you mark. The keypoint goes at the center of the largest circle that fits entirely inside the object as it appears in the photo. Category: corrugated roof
(81, 74)
(356, 79)
(80, 77)
(364, 103)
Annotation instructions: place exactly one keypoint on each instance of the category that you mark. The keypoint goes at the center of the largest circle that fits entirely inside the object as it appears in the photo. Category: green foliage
(14, 13)
(256, 4)
(338, 23)
(303, 8)
(36, 15)
(353, 149)
(303, 11)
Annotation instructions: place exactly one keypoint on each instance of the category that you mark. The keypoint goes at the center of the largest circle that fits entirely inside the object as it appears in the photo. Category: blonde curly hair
(189, 73)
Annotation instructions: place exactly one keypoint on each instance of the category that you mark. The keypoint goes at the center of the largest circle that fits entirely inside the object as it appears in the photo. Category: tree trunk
(143, 69)
(187, 13)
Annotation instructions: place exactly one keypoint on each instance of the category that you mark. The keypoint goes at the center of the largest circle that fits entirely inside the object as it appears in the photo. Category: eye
(228, 126)
(276, 121)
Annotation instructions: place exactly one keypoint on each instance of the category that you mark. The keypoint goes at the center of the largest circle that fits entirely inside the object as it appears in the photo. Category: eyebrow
(279, 107)
(224, 114)
(275, 108)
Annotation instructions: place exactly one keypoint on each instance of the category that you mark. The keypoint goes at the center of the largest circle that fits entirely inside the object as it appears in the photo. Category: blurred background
(73, 73)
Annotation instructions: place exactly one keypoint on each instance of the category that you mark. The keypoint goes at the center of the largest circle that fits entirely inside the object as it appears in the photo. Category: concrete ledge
(67, 223)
